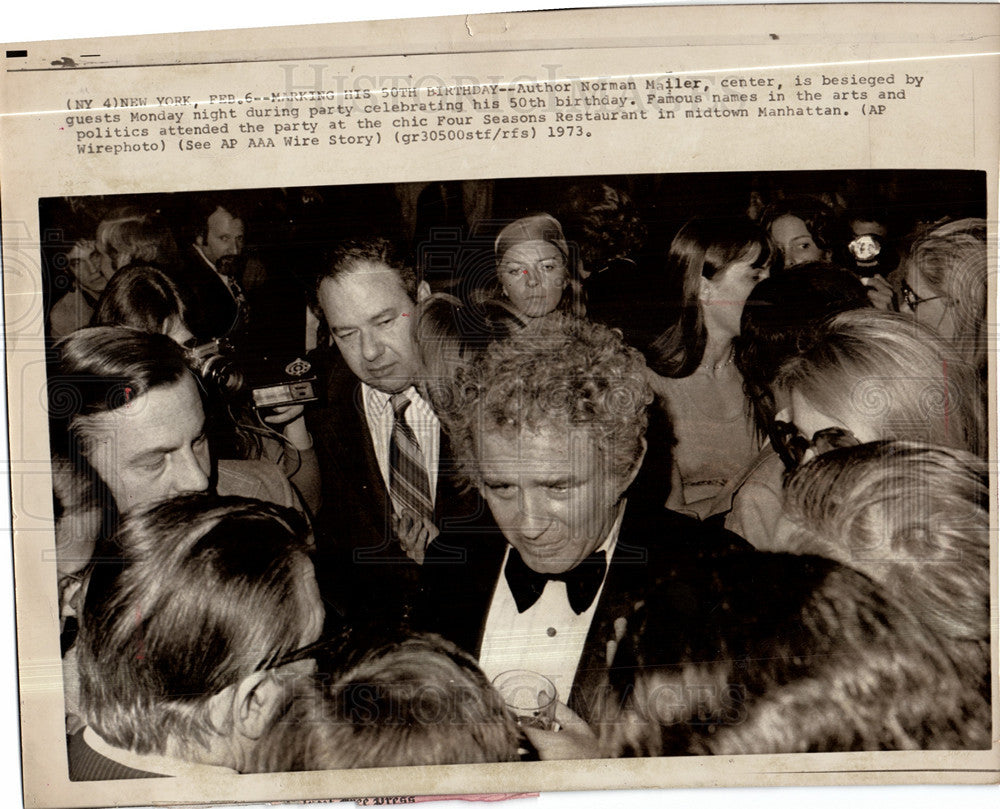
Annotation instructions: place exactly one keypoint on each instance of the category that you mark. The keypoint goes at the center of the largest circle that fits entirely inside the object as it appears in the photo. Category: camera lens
(223, 374)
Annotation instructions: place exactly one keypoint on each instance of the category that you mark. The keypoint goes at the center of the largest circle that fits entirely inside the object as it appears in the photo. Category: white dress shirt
(420, 417)
(548, 637)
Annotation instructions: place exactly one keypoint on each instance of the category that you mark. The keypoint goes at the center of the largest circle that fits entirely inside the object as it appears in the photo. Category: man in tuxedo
(385, 464)
(552, 432)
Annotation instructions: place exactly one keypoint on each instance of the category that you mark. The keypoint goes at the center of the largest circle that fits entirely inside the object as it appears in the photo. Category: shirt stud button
(551, 631)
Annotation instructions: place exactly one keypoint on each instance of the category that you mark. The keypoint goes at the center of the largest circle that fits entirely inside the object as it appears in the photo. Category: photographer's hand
(292, 421)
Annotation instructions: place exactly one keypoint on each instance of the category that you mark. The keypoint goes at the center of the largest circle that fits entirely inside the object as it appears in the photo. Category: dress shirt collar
(377, 401)
(150, 762)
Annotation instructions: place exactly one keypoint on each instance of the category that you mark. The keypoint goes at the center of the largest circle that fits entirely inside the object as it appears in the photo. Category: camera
(269, 381)
(213, 362)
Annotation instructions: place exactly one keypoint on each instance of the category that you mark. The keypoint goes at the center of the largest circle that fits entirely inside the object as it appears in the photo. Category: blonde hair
(895, 374)
(913, 517)
(952, 260)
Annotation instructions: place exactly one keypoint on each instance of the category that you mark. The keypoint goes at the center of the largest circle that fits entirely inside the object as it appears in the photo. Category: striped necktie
(408, 486)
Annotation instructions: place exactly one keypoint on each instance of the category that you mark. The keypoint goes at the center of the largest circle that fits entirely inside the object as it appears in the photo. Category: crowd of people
(728, 496)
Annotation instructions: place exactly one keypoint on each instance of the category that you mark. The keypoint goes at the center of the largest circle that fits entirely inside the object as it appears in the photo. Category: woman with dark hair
(711, 268)
(145, 298)
(780, 319)
(800, 230)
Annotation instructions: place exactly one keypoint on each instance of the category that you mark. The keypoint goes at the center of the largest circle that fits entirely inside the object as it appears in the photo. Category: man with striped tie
(383, 458)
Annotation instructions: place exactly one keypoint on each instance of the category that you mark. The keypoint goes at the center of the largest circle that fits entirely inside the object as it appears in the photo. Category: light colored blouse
(714, 432)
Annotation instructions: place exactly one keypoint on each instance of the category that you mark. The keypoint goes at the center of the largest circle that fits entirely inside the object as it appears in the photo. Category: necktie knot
(399, 402)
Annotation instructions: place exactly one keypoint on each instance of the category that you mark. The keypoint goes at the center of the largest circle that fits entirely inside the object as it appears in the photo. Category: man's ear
(259, 696)
(630, 476)
(423, 291)
(199, 240)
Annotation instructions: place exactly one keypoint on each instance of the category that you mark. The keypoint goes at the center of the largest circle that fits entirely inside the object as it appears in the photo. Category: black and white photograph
(582, 407)
(520, 469)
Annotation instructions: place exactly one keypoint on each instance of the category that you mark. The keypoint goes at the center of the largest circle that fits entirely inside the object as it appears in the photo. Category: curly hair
(816, 215)
(560, 370)
(605, 222)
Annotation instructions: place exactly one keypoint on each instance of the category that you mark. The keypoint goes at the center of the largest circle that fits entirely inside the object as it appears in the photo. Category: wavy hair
(952, 260)
(895, 374)
(562, 371)
(140, 297)
(913, 517)
(816, 215)
(605, 222)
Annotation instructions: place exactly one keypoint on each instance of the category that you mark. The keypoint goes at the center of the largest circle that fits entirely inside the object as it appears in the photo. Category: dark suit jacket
(656, 548)
(360, 567)
(212, 310)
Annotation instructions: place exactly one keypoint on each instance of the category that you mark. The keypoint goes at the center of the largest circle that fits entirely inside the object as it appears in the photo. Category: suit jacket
(260, 479)
(212, 310)
(656, 548)
(360, 567)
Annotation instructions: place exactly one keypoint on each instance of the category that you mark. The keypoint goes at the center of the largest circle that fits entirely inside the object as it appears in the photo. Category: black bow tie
(582, 581)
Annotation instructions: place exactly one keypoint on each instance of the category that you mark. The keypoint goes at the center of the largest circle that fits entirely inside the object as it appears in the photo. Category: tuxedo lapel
(624, 589)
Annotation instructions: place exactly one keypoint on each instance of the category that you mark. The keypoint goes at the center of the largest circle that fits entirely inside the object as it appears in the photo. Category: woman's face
(724, 295)
(794, 240)
(926, 304)
(533, 276)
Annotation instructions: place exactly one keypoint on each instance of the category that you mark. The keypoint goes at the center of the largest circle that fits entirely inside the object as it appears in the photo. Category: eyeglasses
(792, 446)
(912, 300)
(333, 645)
